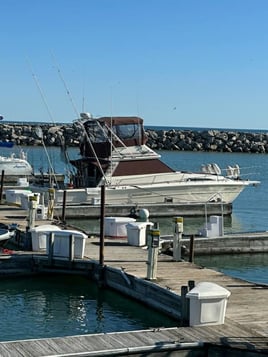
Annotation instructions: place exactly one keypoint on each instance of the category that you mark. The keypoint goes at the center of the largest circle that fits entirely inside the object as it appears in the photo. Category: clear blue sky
(199, 63)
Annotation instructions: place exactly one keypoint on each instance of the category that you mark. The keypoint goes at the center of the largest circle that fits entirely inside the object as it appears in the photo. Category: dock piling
(191, 252)
(184, 306)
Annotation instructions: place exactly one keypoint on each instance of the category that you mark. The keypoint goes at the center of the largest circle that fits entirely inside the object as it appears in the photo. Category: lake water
(64, 305)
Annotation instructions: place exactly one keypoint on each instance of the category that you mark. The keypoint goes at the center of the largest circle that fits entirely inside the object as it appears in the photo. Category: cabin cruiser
(114, 154)
(15, 166)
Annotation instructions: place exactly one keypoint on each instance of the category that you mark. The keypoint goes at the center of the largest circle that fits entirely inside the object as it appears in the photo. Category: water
(249, 267)
(56, 306)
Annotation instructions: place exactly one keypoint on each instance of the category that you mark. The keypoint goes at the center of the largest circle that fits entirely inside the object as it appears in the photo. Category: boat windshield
(127, 131)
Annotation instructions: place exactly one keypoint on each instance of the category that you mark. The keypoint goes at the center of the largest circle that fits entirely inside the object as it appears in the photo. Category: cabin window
(97, 133)
(129, 131)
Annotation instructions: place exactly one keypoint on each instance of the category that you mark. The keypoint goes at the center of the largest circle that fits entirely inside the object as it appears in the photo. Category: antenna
(65, 86)
(39, 131)
(41, 92)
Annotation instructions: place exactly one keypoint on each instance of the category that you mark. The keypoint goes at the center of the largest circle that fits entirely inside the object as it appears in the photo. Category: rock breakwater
(179, 140)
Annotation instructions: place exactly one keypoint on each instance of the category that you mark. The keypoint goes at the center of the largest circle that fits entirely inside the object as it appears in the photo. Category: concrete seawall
(179, 140)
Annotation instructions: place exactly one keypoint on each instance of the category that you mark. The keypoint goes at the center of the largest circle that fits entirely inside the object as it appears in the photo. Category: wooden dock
(247, 304)
(245, 329)
(183, 341)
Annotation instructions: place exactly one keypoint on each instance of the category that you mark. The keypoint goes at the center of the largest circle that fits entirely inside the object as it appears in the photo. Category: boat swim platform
(245, 329)
(86, 210)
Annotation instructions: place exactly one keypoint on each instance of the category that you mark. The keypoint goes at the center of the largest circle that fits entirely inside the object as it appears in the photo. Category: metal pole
(64, 206)
(2, 185)
(101, 257)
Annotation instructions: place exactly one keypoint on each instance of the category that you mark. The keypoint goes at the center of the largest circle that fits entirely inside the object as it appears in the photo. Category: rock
(187, 140)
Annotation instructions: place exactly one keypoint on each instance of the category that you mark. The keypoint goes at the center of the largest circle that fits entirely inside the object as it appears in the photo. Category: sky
(176, 63)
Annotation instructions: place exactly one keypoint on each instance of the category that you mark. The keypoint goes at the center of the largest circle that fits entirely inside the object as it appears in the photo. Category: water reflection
(191, 224)
(49, 306)
(250, 267)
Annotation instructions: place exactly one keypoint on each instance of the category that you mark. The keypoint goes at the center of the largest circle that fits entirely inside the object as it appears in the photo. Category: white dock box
(208, 303)
(13, 196)
(136, 233)
(39, 236)
(24, 199)
(116, 226)
(61, 243)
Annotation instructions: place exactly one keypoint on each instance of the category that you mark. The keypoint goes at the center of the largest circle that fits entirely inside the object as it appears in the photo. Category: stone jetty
(174, 139)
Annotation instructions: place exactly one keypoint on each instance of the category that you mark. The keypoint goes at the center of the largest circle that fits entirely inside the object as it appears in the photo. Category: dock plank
(125, 341)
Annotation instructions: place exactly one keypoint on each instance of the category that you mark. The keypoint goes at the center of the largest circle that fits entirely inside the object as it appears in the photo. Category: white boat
(5, 235)
(114, 153)
(15, 166)
(7, 232)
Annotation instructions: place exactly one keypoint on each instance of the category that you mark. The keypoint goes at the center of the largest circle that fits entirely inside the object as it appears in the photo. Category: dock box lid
(207, 290)
(119, 219)
(139, 225)
(45, 228)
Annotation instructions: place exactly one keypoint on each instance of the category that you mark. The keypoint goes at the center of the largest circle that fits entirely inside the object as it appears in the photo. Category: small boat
(5, 235)
(15, 166)
(6, 232)
(114, 154)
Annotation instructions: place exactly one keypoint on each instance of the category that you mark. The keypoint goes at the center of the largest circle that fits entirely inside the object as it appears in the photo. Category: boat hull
(182, 193)
(15, 167)
(164, 210)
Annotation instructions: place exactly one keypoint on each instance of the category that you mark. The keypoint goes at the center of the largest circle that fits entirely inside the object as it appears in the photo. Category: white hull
(181, 192)
(5, 234)
(14, 166)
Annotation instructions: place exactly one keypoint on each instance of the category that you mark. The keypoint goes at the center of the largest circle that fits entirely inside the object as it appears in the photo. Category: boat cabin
(114, 146)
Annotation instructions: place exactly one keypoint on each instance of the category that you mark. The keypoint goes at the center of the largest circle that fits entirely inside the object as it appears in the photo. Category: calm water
(56, 306)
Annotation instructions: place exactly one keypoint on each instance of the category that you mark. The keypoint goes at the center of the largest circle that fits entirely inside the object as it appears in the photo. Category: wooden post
(101, 253)
(50, 248)
(191, 253)
(191, 284)
(184, 306)
(2, 185)
(63, 206)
